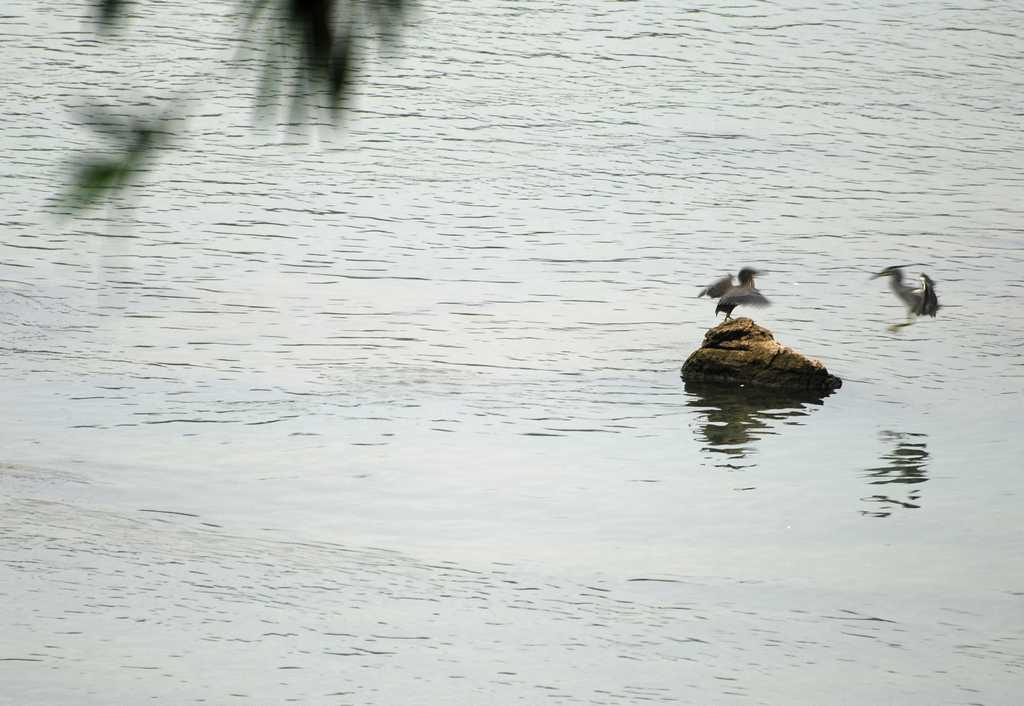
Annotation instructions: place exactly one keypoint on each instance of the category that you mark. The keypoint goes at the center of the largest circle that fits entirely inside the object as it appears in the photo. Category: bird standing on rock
(730, 295)
(919, 302)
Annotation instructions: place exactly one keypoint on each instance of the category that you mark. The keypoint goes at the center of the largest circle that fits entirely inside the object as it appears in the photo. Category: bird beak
(877, 275)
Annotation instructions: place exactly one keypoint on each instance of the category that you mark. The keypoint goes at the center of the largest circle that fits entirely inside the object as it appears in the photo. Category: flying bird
(920, 301)
(730, 295)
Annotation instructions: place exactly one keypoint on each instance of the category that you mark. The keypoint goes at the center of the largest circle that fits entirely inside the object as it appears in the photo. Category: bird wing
(928, 301)
(717, 288)
(747, 297)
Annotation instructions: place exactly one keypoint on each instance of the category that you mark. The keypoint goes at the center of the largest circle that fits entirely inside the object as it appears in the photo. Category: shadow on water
(906, 463)
(734, 418)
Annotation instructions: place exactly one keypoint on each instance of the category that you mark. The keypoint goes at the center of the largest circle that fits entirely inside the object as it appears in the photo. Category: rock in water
(741, 352)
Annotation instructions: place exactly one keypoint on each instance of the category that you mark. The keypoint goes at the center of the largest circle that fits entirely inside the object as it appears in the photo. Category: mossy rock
(740, 352)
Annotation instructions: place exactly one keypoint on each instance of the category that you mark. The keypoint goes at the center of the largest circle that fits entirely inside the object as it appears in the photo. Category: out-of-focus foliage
(108, 12)
(318, 38)
(315, 40)
(134, 142)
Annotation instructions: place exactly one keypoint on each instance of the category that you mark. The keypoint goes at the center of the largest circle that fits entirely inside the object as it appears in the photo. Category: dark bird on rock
(920, 301)
(730, 295)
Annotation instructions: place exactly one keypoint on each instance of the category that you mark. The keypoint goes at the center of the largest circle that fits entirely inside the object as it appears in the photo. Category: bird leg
(908, 322)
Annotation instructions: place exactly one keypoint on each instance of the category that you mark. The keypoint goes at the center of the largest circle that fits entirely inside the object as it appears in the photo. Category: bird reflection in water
(734, 418)
(906, 464)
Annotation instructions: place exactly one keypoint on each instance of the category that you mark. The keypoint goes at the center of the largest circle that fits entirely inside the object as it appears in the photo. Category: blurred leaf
(341, 70)
(313, 19)
(94, 181)
(322, 35)
(109, 11)
(100, 175)
(135, 141)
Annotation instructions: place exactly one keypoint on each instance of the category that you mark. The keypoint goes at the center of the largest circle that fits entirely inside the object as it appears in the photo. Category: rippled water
(453, 330)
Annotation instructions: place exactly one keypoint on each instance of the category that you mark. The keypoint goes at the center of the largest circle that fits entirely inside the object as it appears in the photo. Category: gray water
(391, 414)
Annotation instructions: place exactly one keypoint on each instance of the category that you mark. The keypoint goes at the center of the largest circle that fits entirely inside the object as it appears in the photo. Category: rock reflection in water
(734, 418)
(906, 463)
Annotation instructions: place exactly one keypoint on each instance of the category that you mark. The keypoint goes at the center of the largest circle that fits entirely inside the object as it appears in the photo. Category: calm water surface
(392, 414)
